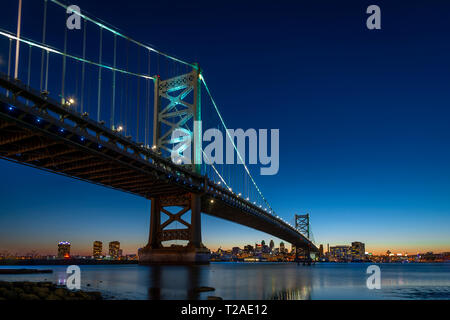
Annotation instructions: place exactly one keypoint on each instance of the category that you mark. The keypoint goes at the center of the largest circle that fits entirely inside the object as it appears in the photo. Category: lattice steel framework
(177, 106)
(159, 232)
(302, 224)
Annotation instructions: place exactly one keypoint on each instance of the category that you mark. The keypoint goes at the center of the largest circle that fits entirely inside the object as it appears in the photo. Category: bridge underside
(27, 146)
(47, 136)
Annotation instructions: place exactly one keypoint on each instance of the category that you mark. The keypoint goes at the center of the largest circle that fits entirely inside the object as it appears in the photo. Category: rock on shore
(26, 290)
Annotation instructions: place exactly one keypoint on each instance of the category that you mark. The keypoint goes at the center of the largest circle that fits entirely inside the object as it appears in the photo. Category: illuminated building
(97, 249)
(282, 248)
(358, 250)
(114, 248)
(341, 252)
(63, 250)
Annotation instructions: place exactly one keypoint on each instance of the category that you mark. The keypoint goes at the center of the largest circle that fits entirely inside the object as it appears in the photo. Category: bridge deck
(48, 136)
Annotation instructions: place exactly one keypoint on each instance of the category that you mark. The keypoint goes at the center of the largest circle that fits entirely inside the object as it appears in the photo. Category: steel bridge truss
(39, 132)
(159, 231)
(177, 107)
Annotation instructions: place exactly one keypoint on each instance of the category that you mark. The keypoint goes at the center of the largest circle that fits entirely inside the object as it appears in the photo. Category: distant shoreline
(24, 271)
(67, 262)
(64, 262)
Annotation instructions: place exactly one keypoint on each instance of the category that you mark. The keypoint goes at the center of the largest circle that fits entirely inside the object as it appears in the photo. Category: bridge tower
(177, 109)
(302, 225)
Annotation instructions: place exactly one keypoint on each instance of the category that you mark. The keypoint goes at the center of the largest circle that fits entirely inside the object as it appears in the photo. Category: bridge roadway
(49, 136)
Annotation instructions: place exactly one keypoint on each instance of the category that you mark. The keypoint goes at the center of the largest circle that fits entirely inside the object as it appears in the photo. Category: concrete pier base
(185, 255)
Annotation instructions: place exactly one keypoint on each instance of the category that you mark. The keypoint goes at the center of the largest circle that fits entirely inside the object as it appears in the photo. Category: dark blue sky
(363, 118)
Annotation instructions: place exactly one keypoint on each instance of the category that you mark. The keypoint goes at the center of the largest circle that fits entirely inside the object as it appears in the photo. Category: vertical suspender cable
(63, 80)
(29, 69)
(19, 22)
(126, 94)
(99, 76)
(9, 62)
(138, 96)
(114, 84)
(46, 72)
(147, 111)
(44, 26)
(9, 57)
(83, 67)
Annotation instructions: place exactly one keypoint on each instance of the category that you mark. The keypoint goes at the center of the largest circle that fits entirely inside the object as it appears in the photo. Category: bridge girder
(142, 161)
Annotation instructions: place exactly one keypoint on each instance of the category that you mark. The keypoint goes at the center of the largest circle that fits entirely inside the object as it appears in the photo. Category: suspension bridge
(97, 105)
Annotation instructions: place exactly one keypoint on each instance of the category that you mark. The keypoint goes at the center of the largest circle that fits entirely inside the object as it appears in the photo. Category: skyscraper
(97, 249)
(271, 245)
(321, 250)
(114, 248)
(282, 249)
(63, 250)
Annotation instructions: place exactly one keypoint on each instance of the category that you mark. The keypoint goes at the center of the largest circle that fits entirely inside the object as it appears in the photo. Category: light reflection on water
(285, 281)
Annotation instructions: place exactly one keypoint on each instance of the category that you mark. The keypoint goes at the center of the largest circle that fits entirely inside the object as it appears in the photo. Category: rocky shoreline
(23, 271)
(26, 290)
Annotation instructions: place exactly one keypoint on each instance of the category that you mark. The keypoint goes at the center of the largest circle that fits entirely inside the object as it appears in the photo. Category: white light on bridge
(119, 129)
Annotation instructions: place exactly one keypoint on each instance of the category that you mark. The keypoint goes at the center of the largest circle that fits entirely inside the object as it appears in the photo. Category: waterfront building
(236, 251)
(282, 248)
(341, 253)
(271, 245)
(97, 250)
(114, 247)
(63, 250)
(321, 250)
(358, 250)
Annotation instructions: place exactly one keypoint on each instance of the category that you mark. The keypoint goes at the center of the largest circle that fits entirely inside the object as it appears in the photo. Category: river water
(260, 281)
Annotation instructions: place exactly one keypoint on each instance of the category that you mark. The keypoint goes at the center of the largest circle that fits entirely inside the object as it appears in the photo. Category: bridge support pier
(194, 252)
(306, 256)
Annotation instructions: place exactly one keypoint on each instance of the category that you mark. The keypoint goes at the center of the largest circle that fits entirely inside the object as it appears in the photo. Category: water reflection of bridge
(230, 281)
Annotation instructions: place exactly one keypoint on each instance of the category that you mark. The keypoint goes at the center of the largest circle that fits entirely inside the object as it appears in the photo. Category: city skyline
(97, 246)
